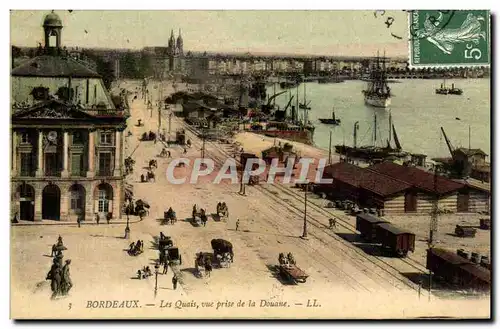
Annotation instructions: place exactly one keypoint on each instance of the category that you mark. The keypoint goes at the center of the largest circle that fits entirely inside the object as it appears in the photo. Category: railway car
(457, 270)
(396, 240)
(366, 224)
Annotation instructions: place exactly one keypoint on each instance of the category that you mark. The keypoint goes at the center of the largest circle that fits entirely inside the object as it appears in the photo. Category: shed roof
(393, 229)
(366, 179)
(53, 66)
(416, 177)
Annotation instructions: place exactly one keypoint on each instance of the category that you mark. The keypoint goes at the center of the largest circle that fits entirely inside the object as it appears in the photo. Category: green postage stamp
(445, 38)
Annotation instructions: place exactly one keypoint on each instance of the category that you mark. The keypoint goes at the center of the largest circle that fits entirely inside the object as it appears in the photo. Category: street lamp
(434, 222)
(156, 278)
(304, 233)
(127, 229)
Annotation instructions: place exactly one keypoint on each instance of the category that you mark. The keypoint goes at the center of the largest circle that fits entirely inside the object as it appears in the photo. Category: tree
(105, 70)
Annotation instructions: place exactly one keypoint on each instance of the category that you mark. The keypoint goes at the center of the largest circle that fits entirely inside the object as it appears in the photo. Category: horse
(282, 259)
(150, 176)
(195, 211)
(208, 269)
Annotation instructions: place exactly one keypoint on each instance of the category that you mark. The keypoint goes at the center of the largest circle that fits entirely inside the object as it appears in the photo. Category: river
(417, 113)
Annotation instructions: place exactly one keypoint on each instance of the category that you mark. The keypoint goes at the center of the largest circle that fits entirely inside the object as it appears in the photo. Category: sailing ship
(287, 127)
(373, 152)
(332, 120)
(378, 93)
(305, 105)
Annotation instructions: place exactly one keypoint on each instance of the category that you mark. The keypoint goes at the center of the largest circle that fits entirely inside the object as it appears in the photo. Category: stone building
(67, 138)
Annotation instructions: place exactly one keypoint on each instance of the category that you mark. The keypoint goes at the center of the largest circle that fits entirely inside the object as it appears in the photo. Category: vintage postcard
(250, 164)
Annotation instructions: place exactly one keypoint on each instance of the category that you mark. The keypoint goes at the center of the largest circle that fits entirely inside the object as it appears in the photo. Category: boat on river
(331, 121)
(378, 92)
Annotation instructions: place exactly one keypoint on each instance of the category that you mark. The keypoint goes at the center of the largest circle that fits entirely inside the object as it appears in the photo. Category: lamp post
(156, 278)
(304, 233)
(433, 223)
(127, 229)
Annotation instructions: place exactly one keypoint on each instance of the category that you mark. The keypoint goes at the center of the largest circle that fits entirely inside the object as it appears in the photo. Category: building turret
(180, 44)
(52, 26)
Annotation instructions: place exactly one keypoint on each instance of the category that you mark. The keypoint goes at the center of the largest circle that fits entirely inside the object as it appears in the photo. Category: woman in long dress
(446, 38)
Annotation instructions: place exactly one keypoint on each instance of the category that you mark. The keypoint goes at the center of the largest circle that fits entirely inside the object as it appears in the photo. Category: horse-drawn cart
(169, 217)
(222, 210)
(293, 273)
(198, 216)
(223, 252)
(288, 269)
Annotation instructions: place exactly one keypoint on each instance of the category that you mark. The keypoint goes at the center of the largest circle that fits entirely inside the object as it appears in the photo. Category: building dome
(52, 20)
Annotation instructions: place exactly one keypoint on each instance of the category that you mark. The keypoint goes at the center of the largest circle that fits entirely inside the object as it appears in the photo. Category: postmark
(449, 38)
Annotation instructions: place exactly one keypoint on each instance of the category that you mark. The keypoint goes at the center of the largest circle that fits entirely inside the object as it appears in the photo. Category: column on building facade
(91, 153)
(118, 142)
(117, 200)
(38, 205)
(65, 171)
(39, 169)
(14, 154)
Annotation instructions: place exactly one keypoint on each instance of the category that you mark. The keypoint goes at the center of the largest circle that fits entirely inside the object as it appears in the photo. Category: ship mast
(390, 128)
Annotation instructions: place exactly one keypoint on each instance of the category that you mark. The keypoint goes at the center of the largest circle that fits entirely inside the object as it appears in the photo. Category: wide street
(343, 282)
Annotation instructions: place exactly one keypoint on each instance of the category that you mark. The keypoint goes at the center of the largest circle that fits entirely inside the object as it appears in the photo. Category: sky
(332, 33)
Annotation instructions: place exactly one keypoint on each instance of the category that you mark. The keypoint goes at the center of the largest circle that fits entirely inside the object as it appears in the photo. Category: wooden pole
(330, 149)
(304, 233)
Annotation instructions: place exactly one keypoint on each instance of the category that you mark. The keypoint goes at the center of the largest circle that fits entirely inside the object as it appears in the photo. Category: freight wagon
(396, 240)
(377, 230)
(457, 270)
(366, 225)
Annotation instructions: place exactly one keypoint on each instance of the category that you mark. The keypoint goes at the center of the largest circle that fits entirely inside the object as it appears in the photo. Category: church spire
(180, 44)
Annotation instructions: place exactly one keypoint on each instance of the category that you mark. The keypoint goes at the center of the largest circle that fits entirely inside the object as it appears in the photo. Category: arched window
(104, 196)
(103, 205)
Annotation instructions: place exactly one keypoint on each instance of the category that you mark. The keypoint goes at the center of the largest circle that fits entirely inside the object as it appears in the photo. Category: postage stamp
(440, 38)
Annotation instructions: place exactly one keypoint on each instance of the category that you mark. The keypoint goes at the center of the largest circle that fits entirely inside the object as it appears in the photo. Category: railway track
(379, 262)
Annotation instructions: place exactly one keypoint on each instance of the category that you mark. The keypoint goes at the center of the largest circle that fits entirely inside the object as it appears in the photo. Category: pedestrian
(108, 217)
(79, 221)
(174, 281)
(237, 224)
(142, 245)
(97, 218)
(165, 268)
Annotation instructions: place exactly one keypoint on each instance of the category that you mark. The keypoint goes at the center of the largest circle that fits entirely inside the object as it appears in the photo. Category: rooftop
(53, 66)
(416, 177)
(366, 179)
